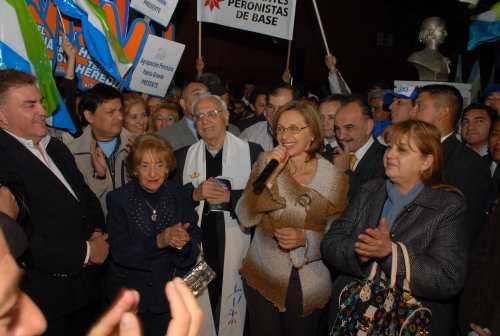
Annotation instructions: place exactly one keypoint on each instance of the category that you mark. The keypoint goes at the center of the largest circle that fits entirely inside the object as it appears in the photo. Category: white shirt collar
(332, 143)
(363, 149)
(446, 137)
(29, 143)
(493, 167)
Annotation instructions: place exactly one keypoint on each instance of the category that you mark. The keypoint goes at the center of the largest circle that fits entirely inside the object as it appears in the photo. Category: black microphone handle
(260, 182)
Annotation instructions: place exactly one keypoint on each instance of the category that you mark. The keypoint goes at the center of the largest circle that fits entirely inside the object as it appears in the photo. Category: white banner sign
(158, 10)
(465, 89)
(275, 18)
(157, 66)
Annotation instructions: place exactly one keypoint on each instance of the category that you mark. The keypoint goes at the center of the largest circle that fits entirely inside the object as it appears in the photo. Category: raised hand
(286, 76)
(280, 154)
(200, 65)
(187, 316)
(331, 63)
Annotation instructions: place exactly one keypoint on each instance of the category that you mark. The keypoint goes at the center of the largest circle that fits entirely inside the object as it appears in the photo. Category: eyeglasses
(211, 114)
(294, 130)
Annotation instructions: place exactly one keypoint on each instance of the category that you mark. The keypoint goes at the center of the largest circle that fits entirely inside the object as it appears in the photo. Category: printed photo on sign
(158, 10)
(156, 66)
(274, 18)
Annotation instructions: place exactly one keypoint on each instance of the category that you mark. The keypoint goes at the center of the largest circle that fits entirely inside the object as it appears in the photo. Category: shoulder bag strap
(394, 265)
(406, 256)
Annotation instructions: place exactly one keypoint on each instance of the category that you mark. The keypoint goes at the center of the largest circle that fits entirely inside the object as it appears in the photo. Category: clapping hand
(374, 243)
(121, 319)
(175, 236)
(211, 191)
(98, 160)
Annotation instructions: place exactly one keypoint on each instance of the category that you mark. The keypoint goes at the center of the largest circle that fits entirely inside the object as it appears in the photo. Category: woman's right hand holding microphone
(280, 154)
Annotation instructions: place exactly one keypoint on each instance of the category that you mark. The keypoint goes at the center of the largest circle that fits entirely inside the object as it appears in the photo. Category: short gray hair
(206, 96)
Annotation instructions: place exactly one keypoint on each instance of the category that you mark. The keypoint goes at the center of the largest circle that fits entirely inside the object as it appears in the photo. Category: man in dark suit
(328, 107)
(494, 150)
(63, 213)
(353, 129)
(441, 105)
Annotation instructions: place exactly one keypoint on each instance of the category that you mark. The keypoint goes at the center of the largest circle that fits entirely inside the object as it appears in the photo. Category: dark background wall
(371, 39)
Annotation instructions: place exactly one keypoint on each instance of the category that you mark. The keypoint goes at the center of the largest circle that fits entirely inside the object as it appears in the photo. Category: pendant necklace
(154, 213)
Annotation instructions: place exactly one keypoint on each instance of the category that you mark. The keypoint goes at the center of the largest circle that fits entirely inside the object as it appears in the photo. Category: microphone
(260, 182)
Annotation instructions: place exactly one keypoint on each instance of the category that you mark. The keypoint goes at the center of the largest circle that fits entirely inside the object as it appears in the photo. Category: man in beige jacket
(101, 151)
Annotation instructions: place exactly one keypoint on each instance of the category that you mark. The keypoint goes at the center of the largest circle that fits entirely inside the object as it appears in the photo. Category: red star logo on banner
(213, 4)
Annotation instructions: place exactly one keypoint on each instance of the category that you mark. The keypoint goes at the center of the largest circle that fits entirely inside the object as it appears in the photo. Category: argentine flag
(99, 38)
(486, 27)
(22, 48)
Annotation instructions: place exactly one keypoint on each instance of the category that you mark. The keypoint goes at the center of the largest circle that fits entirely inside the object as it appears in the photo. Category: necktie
(352, 161)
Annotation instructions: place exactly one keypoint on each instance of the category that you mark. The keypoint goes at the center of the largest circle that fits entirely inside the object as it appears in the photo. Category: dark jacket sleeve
(337, 247)
(189, 253)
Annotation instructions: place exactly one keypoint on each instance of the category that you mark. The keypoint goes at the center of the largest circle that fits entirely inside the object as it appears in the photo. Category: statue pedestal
(465, 89)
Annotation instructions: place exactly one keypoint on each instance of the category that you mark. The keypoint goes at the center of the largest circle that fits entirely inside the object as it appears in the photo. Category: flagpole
(62, 21)
(199, 39)
(321, 27)
(288, 55)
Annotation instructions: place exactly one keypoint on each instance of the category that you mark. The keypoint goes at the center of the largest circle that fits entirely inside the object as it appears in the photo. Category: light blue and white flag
(485, 28)
(100, 39)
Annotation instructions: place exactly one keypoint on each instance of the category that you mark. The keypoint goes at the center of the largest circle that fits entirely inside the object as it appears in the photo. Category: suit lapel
(449, 146)
(30, 163)
(377, 205)
(365, 164)
(66, 170)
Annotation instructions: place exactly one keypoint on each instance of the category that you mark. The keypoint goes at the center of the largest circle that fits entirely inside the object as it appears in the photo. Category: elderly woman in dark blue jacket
(412, 207)
(153, 232)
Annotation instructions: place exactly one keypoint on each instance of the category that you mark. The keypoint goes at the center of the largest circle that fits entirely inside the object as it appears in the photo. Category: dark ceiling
(371, 40)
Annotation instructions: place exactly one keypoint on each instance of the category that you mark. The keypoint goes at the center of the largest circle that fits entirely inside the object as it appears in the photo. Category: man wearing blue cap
(492, 97)
(401, 103)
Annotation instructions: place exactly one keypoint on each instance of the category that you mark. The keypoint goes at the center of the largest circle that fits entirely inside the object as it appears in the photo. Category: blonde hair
(130, 99)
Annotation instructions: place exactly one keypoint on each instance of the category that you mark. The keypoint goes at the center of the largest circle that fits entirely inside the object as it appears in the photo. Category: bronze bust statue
(430, 63)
